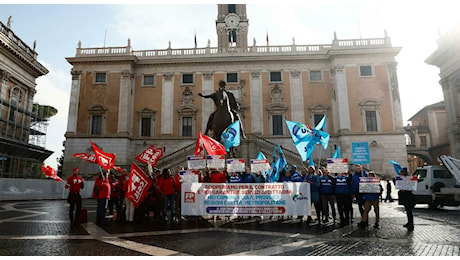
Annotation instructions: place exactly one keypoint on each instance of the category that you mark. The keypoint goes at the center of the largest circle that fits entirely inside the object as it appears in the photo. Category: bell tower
(232, 27)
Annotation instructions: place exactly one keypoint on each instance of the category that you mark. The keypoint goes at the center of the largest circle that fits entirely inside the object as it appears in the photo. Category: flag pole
(319, 160)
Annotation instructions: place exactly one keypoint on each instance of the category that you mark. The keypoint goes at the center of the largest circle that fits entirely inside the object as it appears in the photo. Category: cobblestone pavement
(41, 228)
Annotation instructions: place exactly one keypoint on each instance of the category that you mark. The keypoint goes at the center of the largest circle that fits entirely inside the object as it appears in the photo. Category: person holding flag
(103, 190)
(313, 179)
(74, 184)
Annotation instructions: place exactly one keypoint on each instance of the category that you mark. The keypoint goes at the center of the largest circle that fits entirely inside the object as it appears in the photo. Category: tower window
(232, 36)
(232, 9)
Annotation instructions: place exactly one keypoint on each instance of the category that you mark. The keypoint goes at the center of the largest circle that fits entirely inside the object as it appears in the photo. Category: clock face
(232, 20)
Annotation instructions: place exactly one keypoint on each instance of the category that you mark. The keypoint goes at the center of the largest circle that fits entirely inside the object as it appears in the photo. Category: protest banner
(215, 161)
(337, 165)
(196, 162)
(236, 165)
(138, 185)
(188, 176)
(369, 185)
(248, 199)
(406, 183)
(259, 165)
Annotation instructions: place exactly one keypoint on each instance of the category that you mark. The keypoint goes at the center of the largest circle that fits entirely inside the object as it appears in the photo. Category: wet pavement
(42, 228)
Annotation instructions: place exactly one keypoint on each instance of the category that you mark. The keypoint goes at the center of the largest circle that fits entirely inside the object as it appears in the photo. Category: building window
(277, 121)
(315, 76)
(232, 9)
(146, 126)
(317, 118)
(187, 78)
(186, 126)
(423, 141)
(232, 77)
(365, 71)
(371, 121)
(96, 125)
(275, 76)
(100, 77)
(148, 80)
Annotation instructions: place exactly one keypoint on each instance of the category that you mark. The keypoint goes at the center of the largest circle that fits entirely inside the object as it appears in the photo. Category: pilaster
(341, 97)
(297, 104)
(125, 103)
(207, 105)
(256, 103)
(73, 102)
(167, 97)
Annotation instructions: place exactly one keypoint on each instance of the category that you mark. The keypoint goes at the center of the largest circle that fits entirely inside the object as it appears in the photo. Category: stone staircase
(248, 149)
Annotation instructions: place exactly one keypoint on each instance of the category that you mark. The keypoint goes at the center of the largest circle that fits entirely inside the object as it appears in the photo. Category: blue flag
(396, 166)
(273, 168)
(337, 153)
(261, 156)
(231, 135)
(303, 138)
(321, 137)
(275, 173)
(282, 167)
(322, 124)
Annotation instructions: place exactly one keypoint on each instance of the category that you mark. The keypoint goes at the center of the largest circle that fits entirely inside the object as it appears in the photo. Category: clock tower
(232, 27)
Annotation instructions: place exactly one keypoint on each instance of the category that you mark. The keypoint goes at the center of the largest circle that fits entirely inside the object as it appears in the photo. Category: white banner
(259, 165)
(337, 165)
(188, 176)
(251, 199)
(406, 183)
(236, 165)
(196, 162)
(215, 161)
(369, 185)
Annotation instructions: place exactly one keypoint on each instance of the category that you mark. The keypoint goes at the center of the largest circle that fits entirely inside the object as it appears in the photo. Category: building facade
(446, 58)
(124, 99)
(21, 152)
(427, 137)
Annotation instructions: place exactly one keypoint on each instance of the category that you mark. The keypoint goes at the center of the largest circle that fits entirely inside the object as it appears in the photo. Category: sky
(57, 29)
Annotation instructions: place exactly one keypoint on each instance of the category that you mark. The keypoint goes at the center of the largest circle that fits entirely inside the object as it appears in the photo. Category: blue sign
(360, 153)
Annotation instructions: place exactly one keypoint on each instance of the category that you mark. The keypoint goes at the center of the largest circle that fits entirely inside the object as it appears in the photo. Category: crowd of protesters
(332, 195)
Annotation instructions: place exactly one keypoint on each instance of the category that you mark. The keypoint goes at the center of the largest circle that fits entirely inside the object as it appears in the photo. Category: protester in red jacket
(102, 187)
(168, 191)
(177, 185)
(74, 184)
(114, 195)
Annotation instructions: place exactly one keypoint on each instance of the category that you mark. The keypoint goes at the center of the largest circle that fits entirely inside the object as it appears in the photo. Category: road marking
(100, 234)
(275, 250)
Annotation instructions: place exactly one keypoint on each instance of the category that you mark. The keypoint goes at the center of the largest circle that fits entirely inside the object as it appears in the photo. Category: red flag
(199, 149)
(86, 157)
(151, 155)
(106, 160)
(138, 185)
(50, 172)
(212, 146)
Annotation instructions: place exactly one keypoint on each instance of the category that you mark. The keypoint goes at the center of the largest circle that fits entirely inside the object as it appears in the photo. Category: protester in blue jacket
(326, 191)
(359, 172)
(313, 179)
(370, 200)
(234, 178)
(295, 175)
(343, 196)
(247, 177)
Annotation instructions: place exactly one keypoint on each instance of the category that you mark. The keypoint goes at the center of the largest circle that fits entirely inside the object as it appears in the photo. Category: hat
(311, 166)
(294, 166)
(404, 169)
(75, 168)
